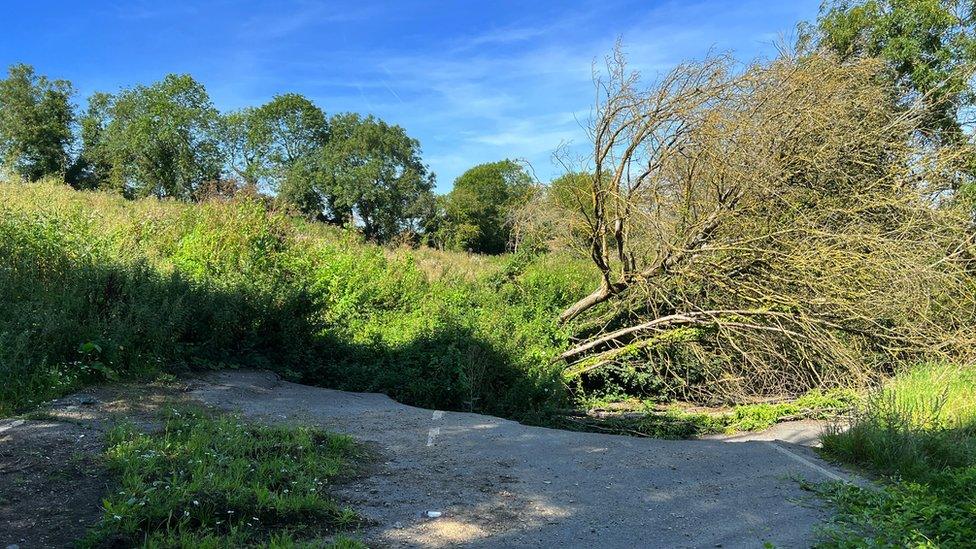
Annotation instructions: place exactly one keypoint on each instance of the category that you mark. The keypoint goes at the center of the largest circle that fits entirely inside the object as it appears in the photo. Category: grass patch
(206, 481)
(919, 434)
(675, 423)
(814, 404)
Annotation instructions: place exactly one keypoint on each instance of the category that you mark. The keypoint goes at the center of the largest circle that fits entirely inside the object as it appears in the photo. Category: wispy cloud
(473, 82)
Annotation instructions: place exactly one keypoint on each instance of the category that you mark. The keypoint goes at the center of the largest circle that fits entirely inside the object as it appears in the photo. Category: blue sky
(473, 81)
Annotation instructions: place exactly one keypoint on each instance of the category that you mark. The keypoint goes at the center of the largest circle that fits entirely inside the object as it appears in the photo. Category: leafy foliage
(264, 145)
(647, 419)
(368, 172)
(35, 123)
(930, 46)
(220, 482)
(478, 210)
(158, 140)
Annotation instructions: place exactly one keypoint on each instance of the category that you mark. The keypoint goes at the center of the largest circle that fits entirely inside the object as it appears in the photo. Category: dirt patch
(52, 479)
(51, 482)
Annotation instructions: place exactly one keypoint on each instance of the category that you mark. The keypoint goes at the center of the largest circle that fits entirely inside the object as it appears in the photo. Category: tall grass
(97, 287)
(920, 423)
(919, 431)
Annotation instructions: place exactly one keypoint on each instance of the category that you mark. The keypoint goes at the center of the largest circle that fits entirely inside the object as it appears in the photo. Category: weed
(221, 482)
(919, 432)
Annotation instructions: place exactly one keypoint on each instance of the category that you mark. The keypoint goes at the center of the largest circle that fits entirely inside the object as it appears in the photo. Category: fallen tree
(774, 228)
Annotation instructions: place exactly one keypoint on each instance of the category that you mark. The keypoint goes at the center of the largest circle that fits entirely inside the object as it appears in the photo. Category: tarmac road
(497, 483)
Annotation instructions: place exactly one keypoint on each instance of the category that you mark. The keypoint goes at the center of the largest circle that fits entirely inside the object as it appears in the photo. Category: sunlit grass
(922, 421)
(207, 481)
(919, 433)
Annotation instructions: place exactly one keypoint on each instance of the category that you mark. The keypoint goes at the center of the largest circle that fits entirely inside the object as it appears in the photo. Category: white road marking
(14, 423)
(800, 459)
(437, 415)
(432, 434)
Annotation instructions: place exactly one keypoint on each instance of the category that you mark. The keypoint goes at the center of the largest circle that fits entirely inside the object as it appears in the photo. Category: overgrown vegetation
(100, 287)
(797, 226)
(757, 230)
(653, 420)
(205, 481)
(919, 432)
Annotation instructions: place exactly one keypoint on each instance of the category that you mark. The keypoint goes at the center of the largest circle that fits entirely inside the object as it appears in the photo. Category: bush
(97, 287)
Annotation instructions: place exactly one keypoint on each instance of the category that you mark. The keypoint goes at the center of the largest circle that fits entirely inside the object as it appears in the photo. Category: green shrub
(98, 287)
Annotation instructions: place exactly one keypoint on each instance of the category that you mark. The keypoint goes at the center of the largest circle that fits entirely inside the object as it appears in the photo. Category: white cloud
(519, 90)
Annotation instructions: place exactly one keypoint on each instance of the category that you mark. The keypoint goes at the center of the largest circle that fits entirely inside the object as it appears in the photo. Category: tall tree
(264, 144)
(479, 206)
(35, 123)
(157, 140)
(244, 151)
(930, 46)
(368, 173)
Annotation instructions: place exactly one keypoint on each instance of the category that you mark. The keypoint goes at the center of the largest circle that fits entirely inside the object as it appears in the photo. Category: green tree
(571, 191)
(91, 170)
(479, 206)
(35, 123)
(431, 216)
(368, 173)
(929, 44)
(244, 152)
(158, 140)
(263, 145)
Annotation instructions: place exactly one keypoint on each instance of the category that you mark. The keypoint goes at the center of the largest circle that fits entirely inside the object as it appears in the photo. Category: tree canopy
(157, 140)
(368, 173)
(478, 209)
(264, 144)
(929, 45)
(35, 123)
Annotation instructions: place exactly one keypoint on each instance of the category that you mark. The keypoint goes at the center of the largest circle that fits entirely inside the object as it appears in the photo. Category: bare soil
(52, 477)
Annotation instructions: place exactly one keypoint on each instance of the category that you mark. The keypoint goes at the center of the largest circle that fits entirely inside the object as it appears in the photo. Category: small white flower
(195, 502)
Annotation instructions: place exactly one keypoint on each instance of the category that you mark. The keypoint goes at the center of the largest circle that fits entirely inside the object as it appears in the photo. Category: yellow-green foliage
(921, 421)
(95, 286)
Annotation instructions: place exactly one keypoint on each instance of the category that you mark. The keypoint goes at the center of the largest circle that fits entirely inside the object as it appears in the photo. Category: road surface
(448, 479)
